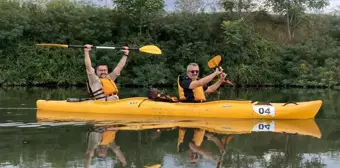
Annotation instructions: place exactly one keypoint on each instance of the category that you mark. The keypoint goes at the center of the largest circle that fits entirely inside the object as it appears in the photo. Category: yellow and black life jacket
(108, 137)
(109, 88)
(198, 92)
(197, 137)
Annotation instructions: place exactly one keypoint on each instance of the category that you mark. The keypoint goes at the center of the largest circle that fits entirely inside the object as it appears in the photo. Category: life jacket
(198, 93)
(108, 137)
(109, 88)
(197, 138)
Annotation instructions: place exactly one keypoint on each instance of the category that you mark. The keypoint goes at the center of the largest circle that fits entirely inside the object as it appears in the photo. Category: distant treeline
(257, 48)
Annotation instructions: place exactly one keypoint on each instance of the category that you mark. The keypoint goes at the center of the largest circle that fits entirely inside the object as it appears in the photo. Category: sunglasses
(194, 71)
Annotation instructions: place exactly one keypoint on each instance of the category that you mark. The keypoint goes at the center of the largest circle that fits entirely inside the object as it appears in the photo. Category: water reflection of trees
(290, 156)
(65, 147)
(273, 150)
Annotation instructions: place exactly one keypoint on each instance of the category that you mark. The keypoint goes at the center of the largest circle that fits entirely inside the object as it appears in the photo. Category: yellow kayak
(216, 125)
(215, 109)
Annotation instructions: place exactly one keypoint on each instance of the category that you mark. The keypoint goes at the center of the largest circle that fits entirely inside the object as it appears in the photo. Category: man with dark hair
(101, 84)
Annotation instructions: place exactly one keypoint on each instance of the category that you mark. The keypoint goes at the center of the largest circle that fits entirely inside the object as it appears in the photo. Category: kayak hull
(231, 109)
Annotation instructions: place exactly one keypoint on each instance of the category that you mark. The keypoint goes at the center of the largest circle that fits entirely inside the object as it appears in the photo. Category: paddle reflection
(190, 140)
(193, 136)
(190, 137)
(101, 139)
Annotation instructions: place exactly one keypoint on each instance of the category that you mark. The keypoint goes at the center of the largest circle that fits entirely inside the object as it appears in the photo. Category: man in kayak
(190, 89)
(101, 84)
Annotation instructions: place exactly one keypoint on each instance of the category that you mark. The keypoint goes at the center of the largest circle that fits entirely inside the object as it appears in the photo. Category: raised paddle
(151, 49)
(214, 62)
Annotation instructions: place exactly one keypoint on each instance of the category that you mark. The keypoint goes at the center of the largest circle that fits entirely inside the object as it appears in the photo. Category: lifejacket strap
(97, 91)
(102, 93)
(101, 97)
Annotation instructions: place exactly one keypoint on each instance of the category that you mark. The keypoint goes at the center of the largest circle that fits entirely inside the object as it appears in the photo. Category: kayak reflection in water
(190, 139)
(99, 142)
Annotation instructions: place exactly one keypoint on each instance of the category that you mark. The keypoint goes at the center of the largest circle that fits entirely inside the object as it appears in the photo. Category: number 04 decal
(264, 127)
(264, 110)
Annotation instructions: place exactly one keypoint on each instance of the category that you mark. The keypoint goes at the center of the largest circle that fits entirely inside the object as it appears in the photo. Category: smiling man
(101, 84)
(192, 89)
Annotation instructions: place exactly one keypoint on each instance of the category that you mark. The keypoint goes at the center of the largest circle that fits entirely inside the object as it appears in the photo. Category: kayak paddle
(214, 62)
(151, 49)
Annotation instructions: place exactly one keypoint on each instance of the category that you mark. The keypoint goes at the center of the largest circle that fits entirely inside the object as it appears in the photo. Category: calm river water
(28, 142)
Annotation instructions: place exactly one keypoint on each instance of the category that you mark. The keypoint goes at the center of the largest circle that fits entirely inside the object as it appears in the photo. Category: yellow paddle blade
(214, 62)
(53, 45)
(153, 166)
(152, 49)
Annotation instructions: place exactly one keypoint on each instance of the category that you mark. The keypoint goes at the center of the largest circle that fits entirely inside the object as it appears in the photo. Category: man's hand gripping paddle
(214, 63)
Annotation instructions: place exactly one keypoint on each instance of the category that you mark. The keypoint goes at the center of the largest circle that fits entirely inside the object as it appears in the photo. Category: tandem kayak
(221, 126)
(230, 109)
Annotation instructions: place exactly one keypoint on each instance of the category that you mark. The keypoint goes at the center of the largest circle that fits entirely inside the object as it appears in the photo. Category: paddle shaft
(219, 68)
(100, 47)
(151, 49)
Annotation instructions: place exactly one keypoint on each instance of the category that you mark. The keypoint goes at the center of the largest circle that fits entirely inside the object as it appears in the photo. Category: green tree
(250, 47)
(294, 11)
(238, 6)
(141, 12)
(251, 58)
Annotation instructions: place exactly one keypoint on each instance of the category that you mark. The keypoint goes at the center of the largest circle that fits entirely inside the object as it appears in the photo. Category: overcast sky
(170, 5)
(333, 4)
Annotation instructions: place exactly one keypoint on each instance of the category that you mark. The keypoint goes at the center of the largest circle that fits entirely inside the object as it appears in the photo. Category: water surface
(26, 142)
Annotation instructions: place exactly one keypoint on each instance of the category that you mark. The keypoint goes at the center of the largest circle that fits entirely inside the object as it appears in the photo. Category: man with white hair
(192, 89)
